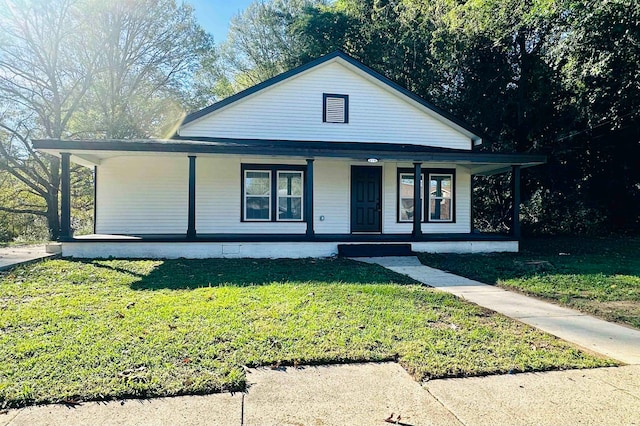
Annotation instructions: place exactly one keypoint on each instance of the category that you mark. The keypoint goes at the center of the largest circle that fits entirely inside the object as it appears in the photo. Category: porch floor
(215, 238)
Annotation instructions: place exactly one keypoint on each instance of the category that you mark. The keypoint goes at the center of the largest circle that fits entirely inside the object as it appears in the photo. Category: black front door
(366, 199)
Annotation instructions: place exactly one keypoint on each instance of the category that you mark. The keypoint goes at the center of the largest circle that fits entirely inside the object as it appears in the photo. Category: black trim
(337, 54)
(274, 169)
(65, 196)
(247, 238)
(308, 198)
(515, 185)
(425, 201)
(324, 107)
(471, 197)
(417, 201)
(303, 149)
(95, 198)
(191, 215)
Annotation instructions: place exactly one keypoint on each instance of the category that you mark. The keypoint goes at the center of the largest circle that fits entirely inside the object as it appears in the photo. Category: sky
(214, 15)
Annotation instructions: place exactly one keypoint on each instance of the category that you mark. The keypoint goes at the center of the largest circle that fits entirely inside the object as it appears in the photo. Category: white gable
(293, 110)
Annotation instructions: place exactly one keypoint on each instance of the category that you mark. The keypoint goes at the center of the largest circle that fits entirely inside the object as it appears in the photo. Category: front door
(366, 199)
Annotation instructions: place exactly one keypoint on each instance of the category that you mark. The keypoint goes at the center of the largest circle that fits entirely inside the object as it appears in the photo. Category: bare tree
(88, 68)
(149, 51)
(45, 72)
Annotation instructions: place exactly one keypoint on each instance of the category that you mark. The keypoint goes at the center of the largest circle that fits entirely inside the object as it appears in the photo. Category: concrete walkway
(613, 340)
(367, 394)
(13, 256)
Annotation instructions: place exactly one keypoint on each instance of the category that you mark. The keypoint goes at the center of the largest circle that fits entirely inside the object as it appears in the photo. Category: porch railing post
(191, 222)
(65, 193)
(417, 201)
(515, 182)
(308, 199)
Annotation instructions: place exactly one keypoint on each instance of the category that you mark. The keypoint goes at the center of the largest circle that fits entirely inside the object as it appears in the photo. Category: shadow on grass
(187, 274)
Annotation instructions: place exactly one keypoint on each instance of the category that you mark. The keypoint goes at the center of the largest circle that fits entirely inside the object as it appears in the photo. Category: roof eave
(89, 150)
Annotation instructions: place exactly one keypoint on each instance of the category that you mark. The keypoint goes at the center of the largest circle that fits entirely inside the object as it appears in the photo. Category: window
(272, 192)
(438, 206)
(440, 197)
(257, 195)
(406, 197)
(290, 195)
(335, 108)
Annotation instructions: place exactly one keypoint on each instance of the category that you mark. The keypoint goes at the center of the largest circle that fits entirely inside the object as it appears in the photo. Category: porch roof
(92, 152)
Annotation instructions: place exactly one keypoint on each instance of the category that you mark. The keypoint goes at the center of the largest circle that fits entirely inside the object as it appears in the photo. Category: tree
(260, 43)
(45, 72)
(148, 52)
(71, 68)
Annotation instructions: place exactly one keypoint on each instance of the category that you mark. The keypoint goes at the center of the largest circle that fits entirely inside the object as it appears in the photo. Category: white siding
(292, 110)
(149, 195)
(142, 195)
(218, 198)
(331, 197)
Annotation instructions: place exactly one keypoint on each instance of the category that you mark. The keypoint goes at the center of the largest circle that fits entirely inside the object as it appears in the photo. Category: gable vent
(335, 108)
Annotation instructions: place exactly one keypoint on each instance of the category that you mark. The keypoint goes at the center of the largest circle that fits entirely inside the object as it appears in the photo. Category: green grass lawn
(117, 328)
(595, 275)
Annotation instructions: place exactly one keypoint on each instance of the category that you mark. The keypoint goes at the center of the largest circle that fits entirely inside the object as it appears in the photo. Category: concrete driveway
(16, 255)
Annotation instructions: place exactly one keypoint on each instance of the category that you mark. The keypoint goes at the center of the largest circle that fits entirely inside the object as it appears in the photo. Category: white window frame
(245, 195)
(400, 198)
(450, 198)
(301, 196)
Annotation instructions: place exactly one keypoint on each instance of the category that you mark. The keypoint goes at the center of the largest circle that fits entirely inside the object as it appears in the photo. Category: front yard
(600, 276)
(107, 329)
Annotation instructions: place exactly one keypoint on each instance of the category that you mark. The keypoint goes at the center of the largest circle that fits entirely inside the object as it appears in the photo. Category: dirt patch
(629, 307)
(622, 311)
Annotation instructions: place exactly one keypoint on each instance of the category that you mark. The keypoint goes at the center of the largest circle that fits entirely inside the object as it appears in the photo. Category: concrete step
(374, 250)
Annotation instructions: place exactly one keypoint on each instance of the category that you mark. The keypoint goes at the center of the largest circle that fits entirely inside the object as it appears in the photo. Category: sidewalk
(613, 340)
(13, 256)
(367, 394)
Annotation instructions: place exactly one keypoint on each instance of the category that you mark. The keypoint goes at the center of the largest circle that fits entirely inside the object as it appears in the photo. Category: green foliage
(557, 77)
(117, 328)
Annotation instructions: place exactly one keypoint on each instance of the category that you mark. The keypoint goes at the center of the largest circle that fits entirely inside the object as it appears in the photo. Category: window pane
(440, 209)
(406, 186)
(257, 208)
(406, 209)
(290, 208)
(257, 183)
(440, 186)
(290, 183)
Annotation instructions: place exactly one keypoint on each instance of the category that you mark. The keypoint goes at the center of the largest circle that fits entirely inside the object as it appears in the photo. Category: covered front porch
(197, 206)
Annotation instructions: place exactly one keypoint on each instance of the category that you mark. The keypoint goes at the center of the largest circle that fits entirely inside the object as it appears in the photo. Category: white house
(318, 158)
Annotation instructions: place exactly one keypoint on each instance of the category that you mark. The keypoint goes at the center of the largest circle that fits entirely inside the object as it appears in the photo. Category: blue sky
(214, 15)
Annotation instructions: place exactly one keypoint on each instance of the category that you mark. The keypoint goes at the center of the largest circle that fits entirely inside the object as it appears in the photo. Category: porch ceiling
(93, 152)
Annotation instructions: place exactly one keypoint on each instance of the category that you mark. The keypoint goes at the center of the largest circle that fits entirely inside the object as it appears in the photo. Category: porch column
(65, 196)
(417, 201)
(191, 225)
(308, 199)
(515, 185)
